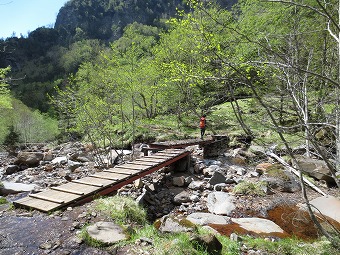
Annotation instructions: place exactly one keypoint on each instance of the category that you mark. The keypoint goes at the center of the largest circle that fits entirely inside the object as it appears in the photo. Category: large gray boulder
(201, 218)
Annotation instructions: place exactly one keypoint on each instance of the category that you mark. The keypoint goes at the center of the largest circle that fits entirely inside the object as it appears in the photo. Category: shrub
(250, 188)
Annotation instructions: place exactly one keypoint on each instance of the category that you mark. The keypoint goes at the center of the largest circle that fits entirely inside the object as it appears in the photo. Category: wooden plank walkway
(181, 143)
(101, 183)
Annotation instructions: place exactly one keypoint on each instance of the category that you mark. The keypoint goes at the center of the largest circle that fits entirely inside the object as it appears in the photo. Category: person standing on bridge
(202, 125)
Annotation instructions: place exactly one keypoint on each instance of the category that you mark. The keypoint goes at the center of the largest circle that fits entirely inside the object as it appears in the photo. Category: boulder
(11, 169)
(262, 227)
(106, 232)
(173, 225)
(13, 188)
(201, 218)
(316, 168)
(328, 206)
(220, 203)
(31, 159)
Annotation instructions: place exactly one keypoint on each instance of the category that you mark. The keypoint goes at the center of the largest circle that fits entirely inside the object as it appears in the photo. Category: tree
(5, 99)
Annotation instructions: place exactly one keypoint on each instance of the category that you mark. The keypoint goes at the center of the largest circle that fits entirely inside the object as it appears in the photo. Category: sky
(23, 16)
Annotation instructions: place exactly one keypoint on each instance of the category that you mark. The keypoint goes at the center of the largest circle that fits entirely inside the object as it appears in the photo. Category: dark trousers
(202, 132)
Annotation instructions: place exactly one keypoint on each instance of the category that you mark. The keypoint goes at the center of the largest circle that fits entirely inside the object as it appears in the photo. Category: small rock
(178, 181)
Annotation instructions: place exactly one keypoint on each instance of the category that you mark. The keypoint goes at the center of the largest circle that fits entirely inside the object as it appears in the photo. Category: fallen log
(296, 172)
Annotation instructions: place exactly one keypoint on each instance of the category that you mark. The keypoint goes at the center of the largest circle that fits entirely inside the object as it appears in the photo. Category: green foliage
(289, 246)
(4, 91)
(12, 139)
(123, 210)
(250, 188)
(26, 125)
(3, 200)
(80, 52)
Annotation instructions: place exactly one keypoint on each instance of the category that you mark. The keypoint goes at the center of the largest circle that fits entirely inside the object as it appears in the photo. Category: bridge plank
(41, 205)
(109, 176)
(76, 188)
(133, 166)
(94, 181)
(122, 170)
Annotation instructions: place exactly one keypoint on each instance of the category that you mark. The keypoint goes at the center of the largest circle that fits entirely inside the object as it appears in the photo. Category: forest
(274, 63)
(116, 73)
(282, 57)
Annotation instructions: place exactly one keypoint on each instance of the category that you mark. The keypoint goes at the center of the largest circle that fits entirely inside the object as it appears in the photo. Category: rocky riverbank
(209, 193)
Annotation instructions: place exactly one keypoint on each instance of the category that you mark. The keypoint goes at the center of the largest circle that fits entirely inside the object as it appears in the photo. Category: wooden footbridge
(101, 183)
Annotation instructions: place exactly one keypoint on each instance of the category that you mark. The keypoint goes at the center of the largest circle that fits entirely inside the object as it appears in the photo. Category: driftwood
(294, 171)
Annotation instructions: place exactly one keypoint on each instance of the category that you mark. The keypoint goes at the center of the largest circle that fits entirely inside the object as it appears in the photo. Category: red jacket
(202, 122)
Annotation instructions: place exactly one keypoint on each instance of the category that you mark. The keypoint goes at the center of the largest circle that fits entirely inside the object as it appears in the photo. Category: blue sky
(23, 16)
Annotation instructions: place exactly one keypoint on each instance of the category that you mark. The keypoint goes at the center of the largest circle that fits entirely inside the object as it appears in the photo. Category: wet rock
(106, 232)
(220, 203)
(210, 162)
(11, 169)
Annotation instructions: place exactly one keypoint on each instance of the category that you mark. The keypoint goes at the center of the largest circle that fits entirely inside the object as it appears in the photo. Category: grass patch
(250, 188)
(290, 246)
(3, 201)
(123, 210)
